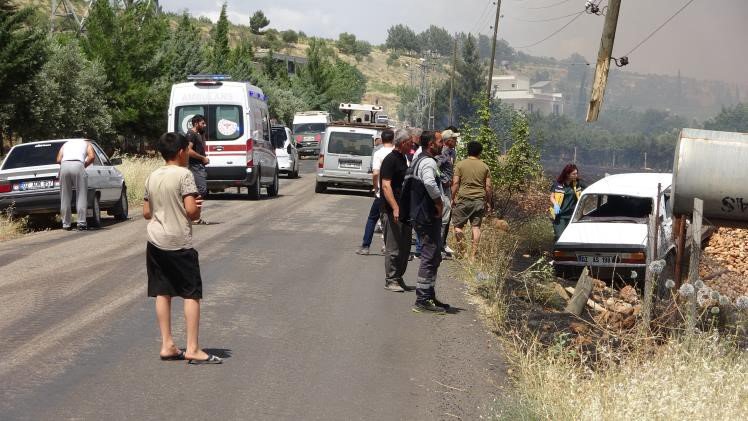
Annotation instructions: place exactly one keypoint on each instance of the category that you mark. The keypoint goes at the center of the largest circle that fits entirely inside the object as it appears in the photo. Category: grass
(12, 227)
(136, 169)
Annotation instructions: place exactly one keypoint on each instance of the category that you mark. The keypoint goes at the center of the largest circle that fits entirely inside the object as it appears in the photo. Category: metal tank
(712, 166)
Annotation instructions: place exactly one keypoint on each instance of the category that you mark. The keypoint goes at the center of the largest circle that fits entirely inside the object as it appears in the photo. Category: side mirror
(116, 161)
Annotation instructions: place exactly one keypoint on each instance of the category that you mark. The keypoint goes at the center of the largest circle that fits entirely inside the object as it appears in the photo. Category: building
(517, 92)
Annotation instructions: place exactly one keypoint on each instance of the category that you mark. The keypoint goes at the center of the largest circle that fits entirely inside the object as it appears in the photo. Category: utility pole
(493, 51)
(452, 82)
(603, 60)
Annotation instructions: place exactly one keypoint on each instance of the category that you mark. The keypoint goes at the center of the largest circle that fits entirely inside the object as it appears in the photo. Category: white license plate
(350, 165)
(598, 259)
(36, 185)
(308, 138)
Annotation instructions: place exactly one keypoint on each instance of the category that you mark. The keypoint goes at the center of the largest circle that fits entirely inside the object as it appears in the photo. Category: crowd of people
(420, 188)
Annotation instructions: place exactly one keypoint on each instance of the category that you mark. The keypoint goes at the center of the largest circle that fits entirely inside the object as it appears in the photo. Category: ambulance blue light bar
(258, 95)
(216, 77)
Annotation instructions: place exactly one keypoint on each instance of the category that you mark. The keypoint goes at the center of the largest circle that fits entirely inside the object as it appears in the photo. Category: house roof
(633, 184)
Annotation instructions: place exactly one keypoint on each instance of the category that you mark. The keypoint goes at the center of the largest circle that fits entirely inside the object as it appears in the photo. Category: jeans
(431, 258)
(396, 247)
(201, 179)
(371, 222)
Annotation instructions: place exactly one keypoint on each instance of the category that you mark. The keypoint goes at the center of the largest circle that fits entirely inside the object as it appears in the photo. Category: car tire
(295, 172)
(320, 187)
(253, 190)
(95, 220)
(272, 189)
(122, 208)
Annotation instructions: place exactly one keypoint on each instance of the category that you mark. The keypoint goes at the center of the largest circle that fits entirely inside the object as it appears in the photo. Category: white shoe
(447, 249)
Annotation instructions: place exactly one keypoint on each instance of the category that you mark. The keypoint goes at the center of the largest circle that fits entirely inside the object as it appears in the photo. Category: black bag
(416, 206)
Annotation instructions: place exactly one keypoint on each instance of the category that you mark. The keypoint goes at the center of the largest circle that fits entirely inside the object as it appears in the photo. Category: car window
(348, 143)
(278, 137)
(613, 208)
(32, 155)
(103, 159)
(224, 122)
(309, 128)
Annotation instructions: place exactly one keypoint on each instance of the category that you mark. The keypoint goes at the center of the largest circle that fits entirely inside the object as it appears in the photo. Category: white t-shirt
(75, 150)
(165, 189)
(376, 160)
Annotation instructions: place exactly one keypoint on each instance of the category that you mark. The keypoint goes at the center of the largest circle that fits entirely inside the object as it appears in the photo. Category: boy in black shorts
(171, 204)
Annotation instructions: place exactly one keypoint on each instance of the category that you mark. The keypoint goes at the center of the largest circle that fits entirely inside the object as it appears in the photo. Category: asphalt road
(306, 328)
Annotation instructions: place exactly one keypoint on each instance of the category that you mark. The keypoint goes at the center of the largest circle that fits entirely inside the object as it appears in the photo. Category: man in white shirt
(375, 210)
(74, 156)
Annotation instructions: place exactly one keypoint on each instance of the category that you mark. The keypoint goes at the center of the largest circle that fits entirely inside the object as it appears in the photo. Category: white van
(345, 156)
(308, 129)
(237, 137)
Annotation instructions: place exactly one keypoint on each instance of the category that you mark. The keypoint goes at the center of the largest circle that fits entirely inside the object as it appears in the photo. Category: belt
(72, 160)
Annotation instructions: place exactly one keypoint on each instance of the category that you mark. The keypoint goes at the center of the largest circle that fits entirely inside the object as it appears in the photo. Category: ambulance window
(228, 122)
(184, 116)
(265, 125)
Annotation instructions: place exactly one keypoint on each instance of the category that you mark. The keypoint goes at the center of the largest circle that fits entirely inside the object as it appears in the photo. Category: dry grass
(701, 378)
(12, 227)
(136, 169)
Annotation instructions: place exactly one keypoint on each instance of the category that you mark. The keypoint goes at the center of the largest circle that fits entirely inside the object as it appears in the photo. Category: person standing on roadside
(376, 207)
(426, 206)
(198, 157)
(397, 233)
(471, 195)
(446, 161)
(171, 202)
(74, 156)
(565, 194)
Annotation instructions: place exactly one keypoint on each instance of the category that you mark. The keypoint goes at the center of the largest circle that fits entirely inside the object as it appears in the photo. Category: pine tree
(257, 22)
(220, 53)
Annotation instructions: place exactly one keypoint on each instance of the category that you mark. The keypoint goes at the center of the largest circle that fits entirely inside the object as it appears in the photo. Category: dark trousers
(371, 222)
(201, 179)
(396, 247)
(559, 225)
(431, 258)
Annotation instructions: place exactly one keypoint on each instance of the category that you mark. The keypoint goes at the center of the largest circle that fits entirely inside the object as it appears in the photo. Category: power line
(481, 18)
(547, 6)
(545, 20)
(554, 33)
(659, 27)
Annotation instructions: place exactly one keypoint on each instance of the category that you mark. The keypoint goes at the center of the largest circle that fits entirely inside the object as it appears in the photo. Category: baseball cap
(449, 134)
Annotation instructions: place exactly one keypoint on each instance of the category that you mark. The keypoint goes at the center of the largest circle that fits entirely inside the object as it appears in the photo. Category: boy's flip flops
(212, 359)
(179, 356)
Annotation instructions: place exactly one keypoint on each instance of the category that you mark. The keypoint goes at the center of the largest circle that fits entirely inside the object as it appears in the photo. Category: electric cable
(544, 20)
(553, 33)
(658, 28)
(547, 6)
(481, 18)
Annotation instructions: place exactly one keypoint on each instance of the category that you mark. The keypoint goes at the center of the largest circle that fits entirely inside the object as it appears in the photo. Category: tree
(470, 82)
(401, 37)
(184, 52)
(436, 39)
(290, 36)
(257, 22)
(69, 96)
(734, 119)
(220, 36)
(346, 43)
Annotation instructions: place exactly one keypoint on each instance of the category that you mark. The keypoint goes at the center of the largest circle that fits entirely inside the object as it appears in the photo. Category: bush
(290, 36)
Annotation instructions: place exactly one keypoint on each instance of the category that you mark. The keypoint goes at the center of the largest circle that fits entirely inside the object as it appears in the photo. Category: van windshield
(32, 155)
(224, 121)
(309, 128)
(613, 208)
(346, 143)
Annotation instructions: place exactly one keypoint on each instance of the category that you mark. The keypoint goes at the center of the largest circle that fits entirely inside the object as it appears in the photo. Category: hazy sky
(705, 41)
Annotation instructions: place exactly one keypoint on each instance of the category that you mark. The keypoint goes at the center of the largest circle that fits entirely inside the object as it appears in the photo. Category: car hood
(611, 234)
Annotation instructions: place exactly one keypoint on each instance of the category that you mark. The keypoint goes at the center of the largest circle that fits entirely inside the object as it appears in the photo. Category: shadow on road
(219, 352)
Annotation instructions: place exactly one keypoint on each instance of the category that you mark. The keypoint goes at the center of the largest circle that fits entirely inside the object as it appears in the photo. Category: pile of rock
(724, 266)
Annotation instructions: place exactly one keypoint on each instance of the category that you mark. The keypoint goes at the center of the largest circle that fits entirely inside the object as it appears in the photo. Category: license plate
(598, 259)
(309, 138)
(350, 165)
(36, 185)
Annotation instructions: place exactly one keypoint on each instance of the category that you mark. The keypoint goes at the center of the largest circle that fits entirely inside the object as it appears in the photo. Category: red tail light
(321, 161)
(564, 256)
(299, 138)
(318, 137)
(250, 153)
(5, 187)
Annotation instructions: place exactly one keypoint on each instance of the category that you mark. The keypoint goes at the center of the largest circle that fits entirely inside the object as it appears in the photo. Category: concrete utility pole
(603, 60)
(493, 51)
(452, 80)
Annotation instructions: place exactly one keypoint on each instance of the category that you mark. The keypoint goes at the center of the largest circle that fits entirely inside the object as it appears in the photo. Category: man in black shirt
(396, 233)
(198, 158)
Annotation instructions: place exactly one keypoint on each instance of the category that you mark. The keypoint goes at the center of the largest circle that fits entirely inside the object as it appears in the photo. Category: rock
(629, 295)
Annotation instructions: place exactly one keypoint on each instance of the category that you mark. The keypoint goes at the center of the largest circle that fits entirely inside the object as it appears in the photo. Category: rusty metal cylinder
(712, 166)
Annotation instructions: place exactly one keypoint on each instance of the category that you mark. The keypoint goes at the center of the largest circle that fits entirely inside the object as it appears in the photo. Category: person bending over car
(74, 156)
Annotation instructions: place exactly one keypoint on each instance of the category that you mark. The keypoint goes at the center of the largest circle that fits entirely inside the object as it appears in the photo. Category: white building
(517, 92)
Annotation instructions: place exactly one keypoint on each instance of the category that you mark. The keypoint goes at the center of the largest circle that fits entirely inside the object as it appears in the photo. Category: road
(306, 328)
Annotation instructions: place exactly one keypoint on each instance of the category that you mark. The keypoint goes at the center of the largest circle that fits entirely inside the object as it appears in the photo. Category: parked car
(608, 231)
(345, 156)
(30, 183)
(237, 136)
(285, 151)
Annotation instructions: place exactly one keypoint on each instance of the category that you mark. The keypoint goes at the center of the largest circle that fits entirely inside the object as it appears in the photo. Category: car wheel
(122, 208)
(295, 172)
(253, 190)
(273, 188)
(320, 187)
(95, 220)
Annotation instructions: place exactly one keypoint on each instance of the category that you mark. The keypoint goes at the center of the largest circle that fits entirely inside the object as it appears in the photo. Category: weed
(136, 170)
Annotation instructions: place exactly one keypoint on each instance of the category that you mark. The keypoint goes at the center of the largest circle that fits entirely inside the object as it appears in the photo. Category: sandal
(212, 359)
(179, 356)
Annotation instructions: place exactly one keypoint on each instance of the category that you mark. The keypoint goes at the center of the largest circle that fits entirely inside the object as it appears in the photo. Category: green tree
(68, 96)
(240, 64)
(436, 39)
(470, 80)
(346, 43)
(290, 36)
(733, 119)
(401, 37)
(257, 22)
(184, 52)
(23, 51)
(220, 43)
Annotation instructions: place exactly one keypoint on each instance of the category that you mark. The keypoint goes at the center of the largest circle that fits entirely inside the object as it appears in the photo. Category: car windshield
(278, 136)
(613, 208)
(32, 155)
(309, 128)
(347, 143)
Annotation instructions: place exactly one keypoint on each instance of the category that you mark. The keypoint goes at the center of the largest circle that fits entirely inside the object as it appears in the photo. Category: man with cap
(446, 161)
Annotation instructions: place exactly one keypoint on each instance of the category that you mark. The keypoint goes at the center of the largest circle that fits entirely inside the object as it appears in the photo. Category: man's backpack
(416, 206)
